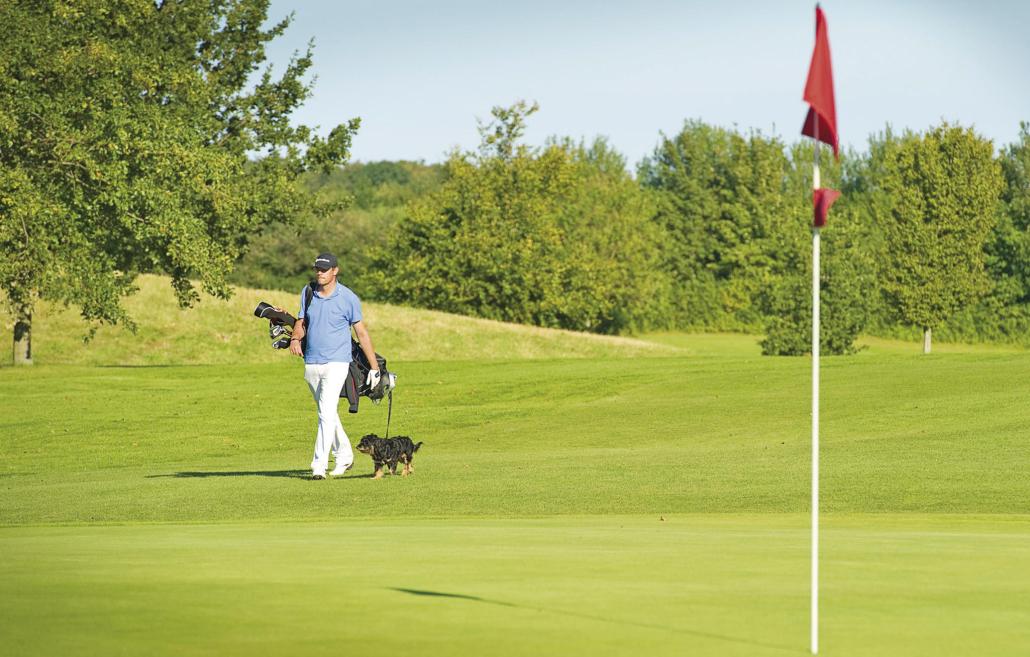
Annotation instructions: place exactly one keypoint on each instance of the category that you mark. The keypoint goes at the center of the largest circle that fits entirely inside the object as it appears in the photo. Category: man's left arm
(366, 344)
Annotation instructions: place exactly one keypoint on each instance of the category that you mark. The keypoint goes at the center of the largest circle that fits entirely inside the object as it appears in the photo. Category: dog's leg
(379, 470)
(393, 467)
(404, 459)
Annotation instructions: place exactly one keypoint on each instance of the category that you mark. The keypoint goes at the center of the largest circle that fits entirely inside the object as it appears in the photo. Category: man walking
(326, 322)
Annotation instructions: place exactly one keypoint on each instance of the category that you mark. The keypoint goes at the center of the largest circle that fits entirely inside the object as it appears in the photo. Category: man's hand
(299, 331)
(372, 380)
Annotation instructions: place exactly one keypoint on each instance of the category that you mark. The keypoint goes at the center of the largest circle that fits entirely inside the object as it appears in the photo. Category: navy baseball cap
(325, 261)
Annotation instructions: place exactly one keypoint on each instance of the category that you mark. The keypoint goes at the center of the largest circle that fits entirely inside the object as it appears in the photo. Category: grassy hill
(223, 332)
(217, 331)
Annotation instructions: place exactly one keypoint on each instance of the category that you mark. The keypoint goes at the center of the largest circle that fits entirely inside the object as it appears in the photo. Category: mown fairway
(593, 506)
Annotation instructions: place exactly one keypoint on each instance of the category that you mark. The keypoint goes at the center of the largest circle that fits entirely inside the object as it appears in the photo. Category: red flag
(822, 199)
(821, 122)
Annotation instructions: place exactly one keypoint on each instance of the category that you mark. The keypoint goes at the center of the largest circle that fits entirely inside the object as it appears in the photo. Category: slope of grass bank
(217, 332)
(226, 332)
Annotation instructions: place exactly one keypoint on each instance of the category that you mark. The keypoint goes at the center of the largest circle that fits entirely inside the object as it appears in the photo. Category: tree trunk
(23, 340)
(926, 340)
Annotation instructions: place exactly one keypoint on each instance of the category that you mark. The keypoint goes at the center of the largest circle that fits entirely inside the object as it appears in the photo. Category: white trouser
(326, 382)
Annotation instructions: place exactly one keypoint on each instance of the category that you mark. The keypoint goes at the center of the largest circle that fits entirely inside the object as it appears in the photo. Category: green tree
(559, 236)
(721, 200)
(1003, 314)
(372, 198)
(943, 188)
(612, 244)
(126, 128)
(1009, 251)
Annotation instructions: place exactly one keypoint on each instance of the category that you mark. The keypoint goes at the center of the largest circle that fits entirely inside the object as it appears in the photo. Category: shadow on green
(609, 621)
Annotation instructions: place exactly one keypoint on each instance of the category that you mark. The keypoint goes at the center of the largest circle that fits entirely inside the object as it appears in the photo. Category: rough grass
(226, 332)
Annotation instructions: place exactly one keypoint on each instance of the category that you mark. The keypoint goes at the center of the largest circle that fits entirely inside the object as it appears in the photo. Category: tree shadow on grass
(602, 619)
(288, 474)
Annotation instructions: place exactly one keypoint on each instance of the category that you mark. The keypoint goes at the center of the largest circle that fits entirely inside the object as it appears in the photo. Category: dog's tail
(417, 445)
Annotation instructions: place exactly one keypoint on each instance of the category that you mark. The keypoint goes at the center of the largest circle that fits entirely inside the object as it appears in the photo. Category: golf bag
(280, 330)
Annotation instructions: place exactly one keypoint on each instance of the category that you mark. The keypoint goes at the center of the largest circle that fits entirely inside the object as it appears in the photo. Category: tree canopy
(370, 199)
(943, 189)
(135, 137)
(559, 236)
(721, 201)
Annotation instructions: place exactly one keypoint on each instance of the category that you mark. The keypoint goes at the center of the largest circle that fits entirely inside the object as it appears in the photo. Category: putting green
(709, 584)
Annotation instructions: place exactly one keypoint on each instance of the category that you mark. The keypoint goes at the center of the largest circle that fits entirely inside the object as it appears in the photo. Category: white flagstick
(815, 410)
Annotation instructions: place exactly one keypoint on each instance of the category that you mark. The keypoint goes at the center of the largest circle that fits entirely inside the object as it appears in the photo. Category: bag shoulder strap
(309, 293)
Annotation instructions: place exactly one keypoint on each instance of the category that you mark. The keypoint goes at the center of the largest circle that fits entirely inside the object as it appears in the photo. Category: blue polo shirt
(328, 322)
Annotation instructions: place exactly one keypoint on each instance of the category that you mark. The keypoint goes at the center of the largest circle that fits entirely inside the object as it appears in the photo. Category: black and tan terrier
(388, 452)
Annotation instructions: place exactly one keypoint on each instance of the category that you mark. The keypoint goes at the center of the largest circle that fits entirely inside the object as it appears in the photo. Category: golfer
(327, 321)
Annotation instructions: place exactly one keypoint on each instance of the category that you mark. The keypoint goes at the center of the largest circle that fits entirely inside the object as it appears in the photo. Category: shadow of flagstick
(602, 619)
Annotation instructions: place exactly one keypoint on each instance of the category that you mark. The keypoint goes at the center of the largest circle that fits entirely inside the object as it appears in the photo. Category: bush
(847, 294)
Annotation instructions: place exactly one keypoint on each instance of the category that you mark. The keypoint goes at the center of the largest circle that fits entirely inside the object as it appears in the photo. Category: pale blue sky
(419, 74)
